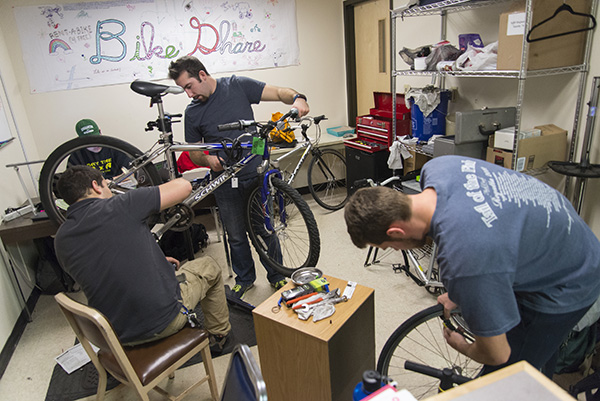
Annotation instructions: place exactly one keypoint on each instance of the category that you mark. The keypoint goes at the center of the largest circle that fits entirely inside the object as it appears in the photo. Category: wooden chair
(141, 367)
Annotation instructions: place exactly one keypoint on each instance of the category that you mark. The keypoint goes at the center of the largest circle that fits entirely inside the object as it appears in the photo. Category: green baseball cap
(87, 127)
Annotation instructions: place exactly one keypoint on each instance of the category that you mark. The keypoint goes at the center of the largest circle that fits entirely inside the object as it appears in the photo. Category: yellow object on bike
(284, 134)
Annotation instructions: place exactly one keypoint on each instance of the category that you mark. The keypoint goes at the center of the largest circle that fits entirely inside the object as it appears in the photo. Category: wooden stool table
(317, 361)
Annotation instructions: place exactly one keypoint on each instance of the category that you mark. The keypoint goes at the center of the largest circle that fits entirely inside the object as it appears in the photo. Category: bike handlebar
(238, 125)
(446, 375)
(243, 124)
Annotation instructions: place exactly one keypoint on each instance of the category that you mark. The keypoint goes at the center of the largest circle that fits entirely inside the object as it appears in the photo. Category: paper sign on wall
(82, 45)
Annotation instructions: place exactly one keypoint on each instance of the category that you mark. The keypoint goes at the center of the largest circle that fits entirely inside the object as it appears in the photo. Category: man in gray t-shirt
(219, 101)
(512, 253)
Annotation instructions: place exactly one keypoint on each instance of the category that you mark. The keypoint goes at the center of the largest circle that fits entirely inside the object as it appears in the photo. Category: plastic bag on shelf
(409, 55)
(443, 52)
(478, 59)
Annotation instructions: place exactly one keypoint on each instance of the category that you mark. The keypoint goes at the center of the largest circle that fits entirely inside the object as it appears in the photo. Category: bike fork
(265, 190)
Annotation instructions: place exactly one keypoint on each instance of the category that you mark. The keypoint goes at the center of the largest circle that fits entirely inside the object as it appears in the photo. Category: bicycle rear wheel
(291, 240)
(73, 152)
(327, 179)
(420, 339)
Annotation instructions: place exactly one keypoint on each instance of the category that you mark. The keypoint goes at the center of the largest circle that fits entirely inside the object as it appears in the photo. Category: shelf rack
(443, 8)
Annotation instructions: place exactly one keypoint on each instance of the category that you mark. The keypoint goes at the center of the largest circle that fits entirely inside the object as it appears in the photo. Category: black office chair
(243, 381)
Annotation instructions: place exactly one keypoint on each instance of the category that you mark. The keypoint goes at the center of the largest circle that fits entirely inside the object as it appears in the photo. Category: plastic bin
(423, 127)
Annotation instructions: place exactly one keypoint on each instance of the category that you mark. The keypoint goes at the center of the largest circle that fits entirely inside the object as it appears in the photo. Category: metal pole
(579, 186)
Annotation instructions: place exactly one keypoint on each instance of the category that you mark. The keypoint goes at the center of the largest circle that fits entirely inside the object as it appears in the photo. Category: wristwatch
(299, 95)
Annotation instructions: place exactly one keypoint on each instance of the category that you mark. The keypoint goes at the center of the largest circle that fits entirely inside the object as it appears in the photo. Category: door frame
(349, 36)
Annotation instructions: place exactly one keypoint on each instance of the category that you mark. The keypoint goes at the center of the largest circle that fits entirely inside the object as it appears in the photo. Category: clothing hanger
(563, 7)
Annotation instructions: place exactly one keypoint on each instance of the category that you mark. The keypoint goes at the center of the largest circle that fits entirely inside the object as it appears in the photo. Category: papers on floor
(73, 358)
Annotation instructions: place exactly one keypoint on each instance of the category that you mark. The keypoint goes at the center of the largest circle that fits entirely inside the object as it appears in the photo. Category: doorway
(367, 34)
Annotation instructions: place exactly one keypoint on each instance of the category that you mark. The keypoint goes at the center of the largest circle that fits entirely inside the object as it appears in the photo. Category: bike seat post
(166, 136)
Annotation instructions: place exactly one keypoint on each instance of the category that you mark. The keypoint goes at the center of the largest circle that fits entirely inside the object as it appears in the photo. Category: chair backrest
(243, 381)
(91, 326)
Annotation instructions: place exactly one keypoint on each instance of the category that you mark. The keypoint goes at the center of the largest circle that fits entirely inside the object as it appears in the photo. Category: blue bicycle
(280, 223)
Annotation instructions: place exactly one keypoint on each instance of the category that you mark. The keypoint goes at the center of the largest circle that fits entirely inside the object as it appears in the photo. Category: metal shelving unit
(443, 8)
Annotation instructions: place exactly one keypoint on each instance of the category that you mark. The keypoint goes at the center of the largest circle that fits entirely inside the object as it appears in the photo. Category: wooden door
(372, 33)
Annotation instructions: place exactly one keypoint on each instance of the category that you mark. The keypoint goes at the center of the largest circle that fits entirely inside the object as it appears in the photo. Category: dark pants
(537, 337)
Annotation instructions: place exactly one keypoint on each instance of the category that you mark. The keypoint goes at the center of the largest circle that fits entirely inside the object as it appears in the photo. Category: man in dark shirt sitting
(105, 244)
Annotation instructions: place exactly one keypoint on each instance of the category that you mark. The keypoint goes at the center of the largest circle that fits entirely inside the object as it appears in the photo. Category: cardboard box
(534, 152)
(415, 162)
(505, 138)
(561, 51)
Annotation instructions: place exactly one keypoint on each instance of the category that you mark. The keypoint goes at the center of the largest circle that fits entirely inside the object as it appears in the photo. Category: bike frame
(168, 148)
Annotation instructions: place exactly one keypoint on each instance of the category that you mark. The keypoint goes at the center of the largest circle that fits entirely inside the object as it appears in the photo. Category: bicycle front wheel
(420, 339)
(282, 228)
(327, 179)
(105, 153)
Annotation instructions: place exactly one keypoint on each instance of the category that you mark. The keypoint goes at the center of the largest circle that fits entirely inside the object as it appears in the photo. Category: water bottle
(371, 382)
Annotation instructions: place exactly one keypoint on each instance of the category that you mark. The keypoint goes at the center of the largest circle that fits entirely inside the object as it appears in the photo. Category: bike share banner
(81, 45)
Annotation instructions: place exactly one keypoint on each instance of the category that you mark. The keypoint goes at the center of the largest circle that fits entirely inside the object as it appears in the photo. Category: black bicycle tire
(420, 326)
(318, 194)
(292, 259)
(61, 153)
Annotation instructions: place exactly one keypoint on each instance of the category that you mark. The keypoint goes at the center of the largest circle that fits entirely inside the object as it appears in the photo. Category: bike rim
(420, 339)
(288, 243)
(58, 162)
(327, 180)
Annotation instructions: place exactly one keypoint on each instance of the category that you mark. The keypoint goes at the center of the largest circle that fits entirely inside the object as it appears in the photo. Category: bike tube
(71, 153)
(420, 339)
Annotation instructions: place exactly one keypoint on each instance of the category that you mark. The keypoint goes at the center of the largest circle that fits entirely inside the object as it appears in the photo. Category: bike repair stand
(582, 170)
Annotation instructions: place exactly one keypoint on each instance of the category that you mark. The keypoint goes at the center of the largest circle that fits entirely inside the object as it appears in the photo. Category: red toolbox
(374, 132)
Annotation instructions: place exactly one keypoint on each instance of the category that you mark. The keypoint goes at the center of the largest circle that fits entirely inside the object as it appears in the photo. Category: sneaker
(218, 343)
(278, 284)
(239, 290)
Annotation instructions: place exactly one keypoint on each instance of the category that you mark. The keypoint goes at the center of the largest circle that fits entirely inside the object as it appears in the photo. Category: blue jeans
(537, 338)
(232, 207)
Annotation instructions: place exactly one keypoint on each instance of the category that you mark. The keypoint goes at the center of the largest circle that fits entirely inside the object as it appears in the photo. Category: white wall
(46, 120)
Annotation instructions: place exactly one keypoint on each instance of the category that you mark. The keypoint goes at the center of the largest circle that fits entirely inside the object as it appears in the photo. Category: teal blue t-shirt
(506, 238)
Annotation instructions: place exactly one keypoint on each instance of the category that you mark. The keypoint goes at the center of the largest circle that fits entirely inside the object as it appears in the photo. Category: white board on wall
(82, 45)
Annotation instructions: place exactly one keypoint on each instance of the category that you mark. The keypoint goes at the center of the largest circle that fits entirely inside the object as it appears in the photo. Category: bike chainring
(185, 220)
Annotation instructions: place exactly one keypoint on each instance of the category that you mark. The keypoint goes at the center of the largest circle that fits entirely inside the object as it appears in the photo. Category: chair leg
(210, 371)
(102, 380)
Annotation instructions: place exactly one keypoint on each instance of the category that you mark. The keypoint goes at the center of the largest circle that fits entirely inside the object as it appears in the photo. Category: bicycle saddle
(151, 89)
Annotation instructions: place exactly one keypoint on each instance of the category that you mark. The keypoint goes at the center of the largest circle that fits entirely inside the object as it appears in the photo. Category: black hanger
(564, 7)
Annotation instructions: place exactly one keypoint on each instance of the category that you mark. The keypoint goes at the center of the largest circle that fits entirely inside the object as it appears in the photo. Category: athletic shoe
(239, 290)
(278, 284)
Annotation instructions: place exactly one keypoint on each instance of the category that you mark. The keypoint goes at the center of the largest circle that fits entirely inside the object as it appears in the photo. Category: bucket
(424, 128)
